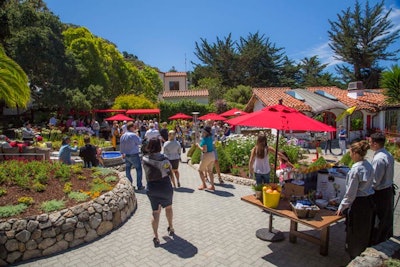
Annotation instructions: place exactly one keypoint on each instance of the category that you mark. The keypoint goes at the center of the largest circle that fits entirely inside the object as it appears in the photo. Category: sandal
(156, 242)
(171, 231)
(201, 187)
(211, 188)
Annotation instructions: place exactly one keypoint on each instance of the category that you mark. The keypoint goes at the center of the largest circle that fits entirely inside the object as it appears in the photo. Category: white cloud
(325, 53)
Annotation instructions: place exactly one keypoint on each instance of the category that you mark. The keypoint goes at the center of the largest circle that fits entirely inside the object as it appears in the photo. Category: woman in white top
(357, 203)
(172, 150)
(259, 160)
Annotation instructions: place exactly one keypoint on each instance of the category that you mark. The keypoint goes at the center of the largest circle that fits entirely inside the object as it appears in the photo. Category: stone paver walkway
(212, 229)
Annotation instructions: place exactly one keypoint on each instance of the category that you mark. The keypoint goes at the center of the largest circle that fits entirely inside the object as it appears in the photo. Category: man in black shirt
(88, 153)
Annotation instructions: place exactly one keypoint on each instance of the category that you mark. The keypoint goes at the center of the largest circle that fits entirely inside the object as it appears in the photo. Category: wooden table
(320, 222)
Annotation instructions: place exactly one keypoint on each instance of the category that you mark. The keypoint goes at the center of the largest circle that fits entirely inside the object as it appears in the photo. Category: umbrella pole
(276, 153)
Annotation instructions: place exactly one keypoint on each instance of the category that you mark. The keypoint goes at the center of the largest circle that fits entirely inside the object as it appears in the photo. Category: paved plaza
(212, 229)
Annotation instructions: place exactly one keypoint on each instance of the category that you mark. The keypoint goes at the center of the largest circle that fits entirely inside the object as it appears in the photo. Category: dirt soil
(54, 191)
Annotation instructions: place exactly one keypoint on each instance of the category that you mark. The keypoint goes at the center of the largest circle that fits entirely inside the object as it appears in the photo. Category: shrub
(38, 187)
(78, 196)
(26, 200)
(63, 172)
(12, 210)
(81, 177)
(52, 205)
(77, 169)
(196, 156)
(42, 177)
(3, 191)
(67, 187)
(109, 179)
(191, 150)
(224, 159)
(22, 180)
(98, 188)
(97, 172)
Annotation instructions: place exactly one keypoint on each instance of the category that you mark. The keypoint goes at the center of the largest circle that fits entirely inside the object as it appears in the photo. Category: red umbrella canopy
(233, 112)
(119, 117)
(212, 116)
(281, 117)
(180, 116)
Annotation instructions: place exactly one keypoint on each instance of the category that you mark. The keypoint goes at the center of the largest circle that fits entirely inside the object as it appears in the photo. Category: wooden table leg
(293, 228)
(323, 250)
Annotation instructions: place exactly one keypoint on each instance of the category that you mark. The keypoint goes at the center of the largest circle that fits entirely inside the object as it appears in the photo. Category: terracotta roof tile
(372, 99)
(369, 101)
(186, 93)
(175, 74)
(269, 96)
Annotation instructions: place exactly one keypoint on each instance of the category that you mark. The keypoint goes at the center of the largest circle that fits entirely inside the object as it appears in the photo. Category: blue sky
(163, 33)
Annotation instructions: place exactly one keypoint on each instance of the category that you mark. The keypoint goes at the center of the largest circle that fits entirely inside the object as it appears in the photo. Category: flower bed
(46, 234)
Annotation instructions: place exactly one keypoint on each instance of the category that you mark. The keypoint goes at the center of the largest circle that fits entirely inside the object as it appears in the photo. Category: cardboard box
(293, 190)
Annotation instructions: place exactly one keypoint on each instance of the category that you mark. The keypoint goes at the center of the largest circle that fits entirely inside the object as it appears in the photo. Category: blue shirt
(129, 143)
(342, 134)
(207, 141)
(64, 155)
(383, 164)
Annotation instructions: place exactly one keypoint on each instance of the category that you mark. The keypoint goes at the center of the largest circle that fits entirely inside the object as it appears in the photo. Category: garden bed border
(47, 234)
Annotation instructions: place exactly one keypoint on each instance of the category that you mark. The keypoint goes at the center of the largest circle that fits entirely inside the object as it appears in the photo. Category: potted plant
(258, 190)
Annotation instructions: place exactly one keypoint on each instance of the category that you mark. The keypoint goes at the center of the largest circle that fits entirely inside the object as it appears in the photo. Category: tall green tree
(290, 74)
(390, 80)
(35, 42)
(14, 90)
(253, 61)
(220, 59)
(361, 37)
(260, 61)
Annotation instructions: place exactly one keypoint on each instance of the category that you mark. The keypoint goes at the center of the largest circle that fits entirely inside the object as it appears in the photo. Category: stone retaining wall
(376, 255)
(46, 234)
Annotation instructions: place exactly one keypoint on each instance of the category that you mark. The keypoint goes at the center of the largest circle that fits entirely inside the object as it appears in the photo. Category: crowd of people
(368, 203)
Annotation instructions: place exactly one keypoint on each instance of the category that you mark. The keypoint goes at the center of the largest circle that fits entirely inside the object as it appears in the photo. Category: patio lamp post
(196, 128)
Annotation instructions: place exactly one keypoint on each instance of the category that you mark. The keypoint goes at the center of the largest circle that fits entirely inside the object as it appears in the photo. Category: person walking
(164, 132)
(328, 136)
(159, 175)
(383, 164)
(207, 158)
(357, 204)
(172, 150)
(214, 135)
(342, 139)
(129, 146)
(115, 135)
(259, 160)
(64, 155)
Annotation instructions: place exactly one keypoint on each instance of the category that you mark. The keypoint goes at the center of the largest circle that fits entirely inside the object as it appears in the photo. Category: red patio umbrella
(281, 117)
(119, 117)
(212, 116)
(233, 112)
(180, 116)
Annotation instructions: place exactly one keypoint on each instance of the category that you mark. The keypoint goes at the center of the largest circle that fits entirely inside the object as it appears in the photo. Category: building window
(174, 86)
(392, 120)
